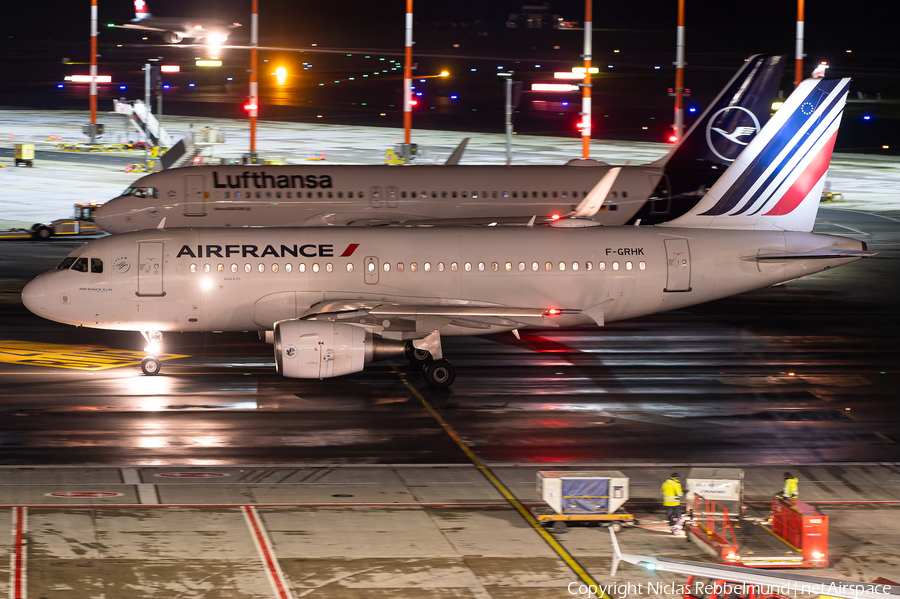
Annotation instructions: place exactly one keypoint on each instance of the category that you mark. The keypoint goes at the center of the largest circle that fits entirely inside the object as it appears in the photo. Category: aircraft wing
(473, 315)
(780, 582)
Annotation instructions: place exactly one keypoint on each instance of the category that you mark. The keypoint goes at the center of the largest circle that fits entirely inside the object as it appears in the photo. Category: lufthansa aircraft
(336, 298)
(175, 29)
(260, 196)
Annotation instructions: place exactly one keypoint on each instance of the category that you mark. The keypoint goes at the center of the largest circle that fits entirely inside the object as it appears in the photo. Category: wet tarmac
(805, 372)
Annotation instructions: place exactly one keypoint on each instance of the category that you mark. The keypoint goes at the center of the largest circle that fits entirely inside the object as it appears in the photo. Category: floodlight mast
(93, 100)
(586, 84)
(254, 85)
(798, 62)
(679, 73)
(407, 75)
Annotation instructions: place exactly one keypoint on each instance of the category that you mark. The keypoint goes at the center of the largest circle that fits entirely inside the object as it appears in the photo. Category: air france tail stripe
(769, 163)
(811, 147)
(806, 181)
(780, 148)
(802, 144)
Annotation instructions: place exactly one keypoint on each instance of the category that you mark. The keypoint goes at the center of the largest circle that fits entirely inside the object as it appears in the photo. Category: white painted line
(131, 476)
(266, 553)
(18, 557)
(147, 494)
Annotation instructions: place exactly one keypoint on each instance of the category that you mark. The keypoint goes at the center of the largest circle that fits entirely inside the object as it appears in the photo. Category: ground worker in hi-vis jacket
(671, 491)
(791, 489)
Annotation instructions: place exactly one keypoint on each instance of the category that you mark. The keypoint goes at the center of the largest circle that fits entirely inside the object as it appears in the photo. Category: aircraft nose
(104, 217)
(34, 296)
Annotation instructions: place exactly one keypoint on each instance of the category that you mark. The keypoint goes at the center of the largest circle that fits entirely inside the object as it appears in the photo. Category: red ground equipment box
(802, 526)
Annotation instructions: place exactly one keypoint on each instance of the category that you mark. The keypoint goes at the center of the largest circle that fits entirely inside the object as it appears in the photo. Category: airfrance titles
(254, 251)
(260, 180)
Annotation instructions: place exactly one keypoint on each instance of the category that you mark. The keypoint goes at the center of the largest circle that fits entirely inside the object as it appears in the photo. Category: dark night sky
(712, 26)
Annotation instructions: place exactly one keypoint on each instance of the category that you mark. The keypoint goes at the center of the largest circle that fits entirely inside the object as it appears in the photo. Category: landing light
(818, 554)
(648, 565)
(154, 349)
(445, 73)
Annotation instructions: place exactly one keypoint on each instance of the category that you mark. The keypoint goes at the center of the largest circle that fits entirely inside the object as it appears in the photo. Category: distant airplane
(334, 298)
(784, 583)
(259, 196)
(175, 29)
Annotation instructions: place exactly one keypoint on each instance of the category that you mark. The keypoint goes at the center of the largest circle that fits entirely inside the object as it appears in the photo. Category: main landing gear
(438, 373)
(151, 364)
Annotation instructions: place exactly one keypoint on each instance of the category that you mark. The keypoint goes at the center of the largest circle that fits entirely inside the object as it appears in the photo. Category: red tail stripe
(815, 170)
(349, 251)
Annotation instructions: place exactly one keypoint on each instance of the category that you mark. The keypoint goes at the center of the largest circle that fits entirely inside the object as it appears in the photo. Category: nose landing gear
(151, 364)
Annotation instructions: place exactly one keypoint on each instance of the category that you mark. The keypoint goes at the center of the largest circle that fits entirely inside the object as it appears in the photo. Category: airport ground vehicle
(82, 223)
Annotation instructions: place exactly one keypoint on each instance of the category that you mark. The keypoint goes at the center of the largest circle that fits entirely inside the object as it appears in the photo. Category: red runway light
(673, 138)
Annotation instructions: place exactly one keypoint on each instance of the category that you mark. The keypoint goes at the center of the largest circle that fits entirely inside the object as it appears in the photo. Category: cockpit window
(66, 263)
(141, 192)
(81, 265)
(96, 265)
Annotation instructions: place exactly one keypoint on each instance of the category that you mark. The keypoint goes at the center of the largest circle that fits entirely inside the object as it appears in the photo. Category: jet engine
(306, 349)
(170, 37)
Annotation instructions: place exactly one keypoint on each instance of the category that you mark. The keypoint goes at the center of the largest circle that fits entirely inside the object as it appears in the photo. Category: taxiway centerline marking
(266, 553)
(18, 558)
(568, 558)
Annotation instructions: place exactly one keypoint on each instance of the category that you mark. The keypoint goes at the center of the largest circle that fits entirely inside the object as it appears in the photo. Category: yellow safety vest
(671, 490)
(791, 490)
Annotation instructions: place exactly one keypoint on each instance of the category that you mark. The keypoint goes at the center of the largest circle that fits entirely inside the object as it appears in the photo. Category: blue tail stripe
(826, 114)
(776, 145)
(811, 148)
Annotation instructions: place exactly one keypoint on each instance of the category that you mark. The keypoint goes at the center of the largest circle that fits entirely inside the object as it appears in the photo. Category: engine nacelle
(306, 349)
(171, 37)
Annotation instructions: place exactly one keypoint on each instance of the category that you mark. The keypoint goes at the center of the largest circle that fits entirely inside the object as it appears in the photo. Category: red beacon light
(553, 312)
(673, 138)
(414, 102)
(554, 217)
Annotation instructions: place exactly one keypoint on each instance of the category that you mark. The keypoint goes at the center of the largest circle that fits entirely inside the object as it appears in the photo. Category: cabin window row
(426, 266)
(392, 194)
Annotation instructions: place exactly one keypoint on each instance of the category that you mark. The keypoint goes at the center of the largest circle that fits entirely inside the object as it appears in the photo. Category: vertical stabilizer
(140, 10)
(776, 182)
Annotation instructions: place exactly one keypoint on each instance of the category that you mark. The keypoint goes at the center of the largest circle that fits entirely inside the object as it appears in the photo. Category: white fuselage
(248, 279)
(308, 196)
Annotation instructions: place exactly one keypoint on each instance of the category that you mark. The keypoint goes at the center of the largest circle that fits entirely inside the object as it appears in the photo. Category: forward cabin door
(194, 196)
(678, 264)
(150, 269)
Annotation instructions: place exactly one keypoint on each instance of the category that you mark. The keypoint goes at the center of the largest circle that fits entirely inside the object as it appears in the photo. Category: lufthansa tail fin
(723, 130)
(776, 182)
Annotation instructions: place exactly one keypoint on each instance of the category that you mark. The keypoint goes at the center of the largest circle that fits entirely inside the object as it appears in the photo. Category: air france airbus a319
(309, 196)
(333, 299)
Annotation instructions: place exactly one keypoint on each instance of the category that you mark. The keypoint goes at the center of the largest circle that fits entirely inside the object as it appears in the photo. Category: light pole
(586, 84)
(798, 62)
(254, 85)
(93, 100)
(679, 73)
(508, 96)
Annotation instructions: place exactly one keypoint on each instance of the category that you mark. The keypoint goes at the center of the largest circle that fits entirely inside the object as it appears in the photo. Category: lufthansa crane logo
(290, 351)
(730, 130)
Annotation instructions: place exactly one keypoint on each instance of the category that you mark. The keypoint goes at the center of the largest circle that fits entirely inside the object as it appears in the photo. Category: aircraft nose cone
(34, 296)
(103, 217)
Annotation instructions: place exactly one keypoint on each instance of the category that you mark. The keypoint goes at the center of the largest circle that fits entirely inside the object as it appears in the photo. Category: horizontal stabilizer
(823, 254)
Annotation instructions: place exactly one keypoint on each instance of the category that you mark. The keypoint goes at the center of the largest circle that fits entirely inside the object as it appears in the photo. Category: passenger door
(678, 265)
(194, 196)
(150, 269)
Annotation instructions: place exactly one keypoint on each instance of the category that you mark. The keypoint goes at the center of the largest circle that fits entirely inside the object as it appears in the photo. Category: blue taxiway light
(60, 86)
(692, 109)
(454, 97)
(191, 84)
(867, 117)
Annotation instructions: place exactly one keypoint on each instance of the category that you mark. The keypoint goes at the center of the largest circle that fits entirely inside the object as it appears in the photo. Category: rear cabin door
(678, 264)
(150, 269)
(194, 196)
